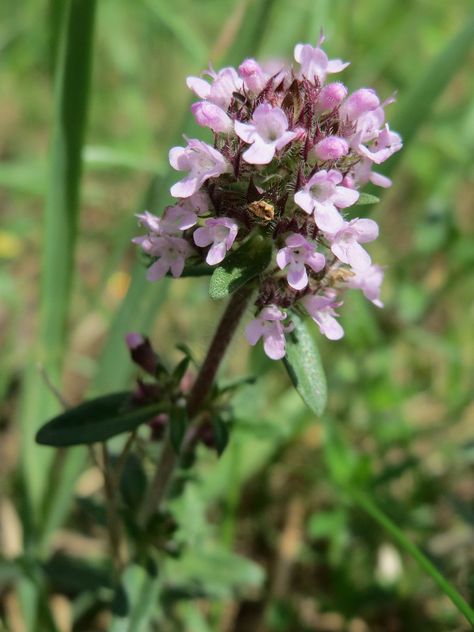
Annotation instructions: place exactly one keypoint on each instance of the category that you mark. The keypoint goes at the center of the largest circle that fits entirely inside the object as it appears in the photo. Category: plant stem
(113, 521)
(199, 392)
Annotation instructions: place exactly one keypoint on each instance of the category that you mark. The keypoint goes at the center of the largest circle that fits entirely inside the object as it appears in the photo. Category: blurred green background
(400, 414)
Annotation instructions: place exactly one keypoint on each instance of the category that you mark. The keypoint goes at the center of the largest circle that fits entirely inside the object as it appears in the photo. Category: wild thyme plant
(270, 211)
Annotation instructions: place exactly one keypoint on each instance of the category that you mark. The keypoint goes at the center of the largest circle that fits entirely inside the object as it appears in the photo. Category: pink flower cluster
(290, 152)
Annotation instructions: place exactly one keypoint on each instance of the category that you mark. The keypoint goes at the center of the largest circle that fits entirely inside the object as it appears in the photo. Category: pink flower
(211, 115)
(221, 90)
(331, 96)
(201, 160)
(386, 144)
(361, 173)
(268, 132)
(198, 202)
(360, 102)
(221, 233)
(172, 253)
(315, 63)
(323, 197)
(297, 254)
(175, 219)
(255, 79)
(269, 326)
(345, 243)
(321, 310)
(369, 281)
(149, 221)
(331, 148)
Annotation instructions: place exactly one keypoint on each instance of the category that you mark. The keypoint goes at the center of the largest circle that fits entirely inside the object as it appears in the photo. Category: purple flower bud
(331, 96)
(142, 352)
(331, 148)
(255, 79)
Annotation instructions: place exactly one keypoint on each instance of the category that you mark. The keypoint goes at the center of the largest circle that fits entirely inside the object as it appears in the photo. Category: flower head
(290, 154)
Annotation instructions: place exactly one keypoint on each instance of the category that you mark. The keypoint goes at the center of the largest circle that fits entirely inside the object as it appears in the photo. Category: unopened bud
(331, 148)
(331, 96)
(360, 102)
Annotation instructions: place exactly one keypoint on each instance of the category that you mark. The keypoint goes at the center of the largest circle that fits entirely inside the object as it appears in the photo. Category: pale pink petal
(337, 65)
(304, 201)
(216, 253)
(178, 159)
(245, 131)
(380, 181)
(274, 345)
(316, 261)
(202, 237)
(329, 326)
(259, 153)
(186, 187)
(327, 217)
(254, 331)
(158, 270)
(344, 197)
(200, 87)
(177, 267)
(297, 276)
(366, 229)
(283, 258)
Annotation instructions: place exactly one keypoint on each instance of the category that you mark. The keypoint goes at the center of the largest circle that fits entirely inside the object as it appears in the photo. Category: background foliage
(277, 538)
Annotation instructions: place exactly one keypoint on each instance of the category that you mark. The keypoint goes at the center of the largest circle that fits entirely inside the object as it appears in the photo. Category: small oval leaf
(303, 363)
(367, 198)
(96, 420)
(240, 266)
(178, 425)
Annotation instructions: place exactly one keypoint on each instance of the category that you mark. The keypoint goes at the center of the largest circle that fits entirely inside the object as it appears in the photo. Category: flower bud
(331, 96)
(331, 148)
(211, 115)
(254, 78)
(360, 102)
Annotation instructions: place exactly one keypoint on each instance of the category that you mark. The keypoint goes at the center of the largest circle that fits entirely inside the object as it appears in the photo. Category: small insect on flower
(263, 210)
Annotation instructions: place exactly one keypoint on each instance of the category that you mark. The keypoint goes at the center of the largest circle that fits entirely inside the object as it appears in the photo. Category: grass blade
(61, 217)
(416, 107)
(367, 504)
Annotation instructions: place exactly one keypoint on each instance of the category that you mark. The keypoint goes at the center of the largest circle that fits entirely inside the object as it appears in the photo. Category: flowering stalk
(199, 393)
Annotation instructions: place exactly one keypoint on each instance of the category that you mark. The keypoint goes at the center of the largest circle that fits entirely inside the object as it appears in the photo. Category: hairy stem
(199, 392)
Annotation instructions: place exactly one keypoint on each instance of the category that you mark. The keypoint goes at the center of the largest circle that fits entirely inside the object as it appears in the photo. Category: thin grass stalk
(71, 96)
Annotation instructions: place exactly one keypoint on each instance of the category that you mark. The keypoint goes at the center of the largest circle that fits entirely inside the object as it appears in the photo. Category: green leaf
(240, 266)
(367, 198)
(96, 420)
(221, 434)
(178, 425)
(303, 363)
(180, 369)
(136, 601)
